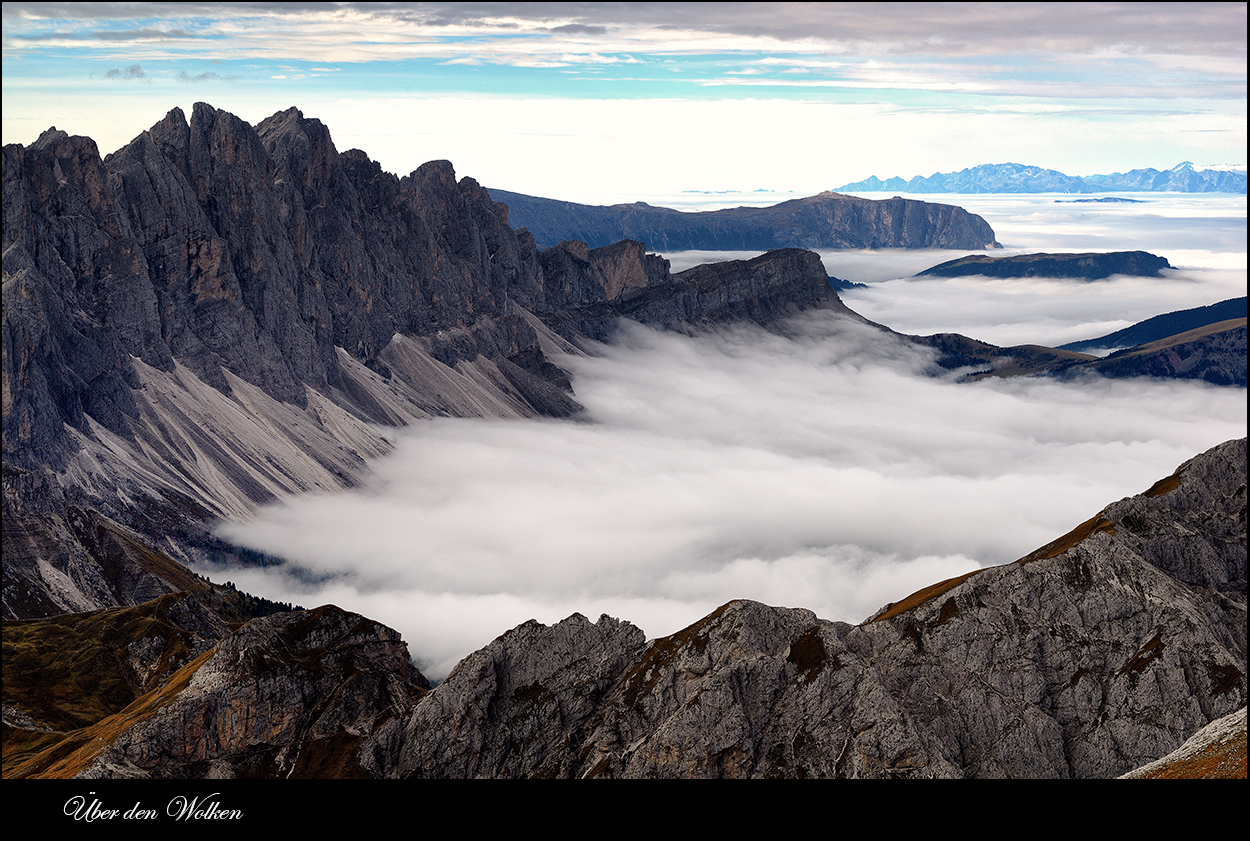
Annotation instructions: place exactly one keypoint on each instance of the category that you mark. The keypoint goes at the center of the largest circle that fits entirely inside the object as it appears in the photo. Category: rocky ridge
(1092, 656)
(1084, 266)
(218, 316)
(1086, 658)
(827, 220)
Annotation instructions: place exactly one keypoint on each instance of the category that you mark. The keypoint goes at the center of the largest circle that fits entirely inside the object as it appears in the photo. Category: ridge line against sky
(616, 101)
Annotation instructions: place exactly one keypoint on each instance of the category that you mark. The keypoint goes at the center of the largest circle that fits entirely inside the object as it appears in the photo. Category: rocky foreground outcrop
(827, 220)
(1092, 656)
(1216, 752)
(287, 695)
(1087, 658)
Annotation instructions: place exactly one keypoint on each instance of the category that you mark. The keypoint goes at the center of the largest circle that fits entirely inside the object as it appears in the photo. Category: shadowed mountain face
(829, 220)
(218, 316)
(1098, 653)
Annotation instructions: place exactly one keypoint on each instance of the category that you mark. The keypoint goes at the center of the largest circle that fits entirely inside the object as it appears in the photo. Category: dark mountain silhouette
(828, 220)
(1084, 266)
(1165, 325)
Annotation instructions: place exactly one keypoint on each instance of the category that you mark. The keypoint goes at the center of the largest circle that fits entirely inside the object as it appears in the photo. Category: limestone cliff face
(219, 315)
(258, 252)
(600, 290)
(828, 220)
(198, 324)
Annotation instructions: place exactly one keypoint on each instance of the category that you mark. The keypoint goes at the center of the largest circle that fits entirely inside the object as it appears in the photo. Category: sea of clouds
(826, 468)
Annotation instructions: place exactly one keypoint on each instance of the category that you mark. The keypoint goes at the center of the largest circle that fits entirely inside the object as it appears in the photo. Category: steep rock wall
(218, 315)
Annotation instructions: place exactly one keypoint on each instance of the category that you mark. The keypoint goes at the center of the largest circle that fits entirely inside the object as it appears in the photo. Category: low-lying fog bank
(828, 471)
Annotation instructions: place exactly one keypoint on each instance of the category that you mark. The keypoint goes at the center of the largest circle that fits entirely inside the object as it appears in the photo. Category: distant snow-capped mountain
(1185, 177)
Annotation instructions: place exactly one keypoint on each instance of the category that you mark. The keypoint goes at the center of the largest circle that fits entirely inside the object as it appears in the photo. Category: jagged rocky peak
(302, 146)
(51, 136)
(173, 132)
(210, 319)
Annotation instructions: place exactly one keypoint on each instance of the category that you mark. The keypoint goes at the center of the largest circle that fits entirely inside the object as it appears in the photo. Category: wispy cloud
(1060, 77)
(134, 71)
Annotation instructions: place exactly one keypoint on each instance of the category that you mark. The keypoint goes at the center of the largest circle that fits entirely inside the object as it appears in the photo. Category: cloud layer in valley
(1203, 236)
(825, 470)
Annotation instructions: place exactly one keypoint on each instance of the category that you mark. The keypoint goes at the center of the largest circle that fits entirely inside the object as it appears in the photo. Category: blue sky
(625, 101)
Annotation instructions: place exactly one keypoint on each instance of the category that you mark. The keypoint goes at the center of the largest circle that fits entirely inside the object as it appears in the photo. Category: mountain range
(1020, 178)
(218, 316)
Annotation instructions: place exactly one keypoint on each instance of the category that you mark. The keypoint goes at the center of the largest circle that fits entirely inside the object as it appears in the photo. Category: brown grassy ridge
(1221, 760)
(78, 749)
(1181, 338)
(1085, 530)
(921, 596)
(70, 672)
